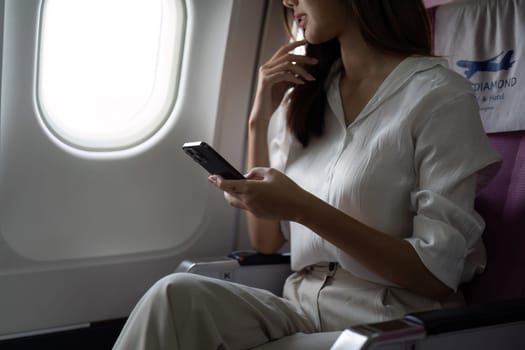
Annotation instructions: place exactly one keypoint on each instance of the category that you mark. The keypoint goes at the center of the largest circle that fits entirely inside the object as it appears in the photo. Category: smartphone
(211, 160)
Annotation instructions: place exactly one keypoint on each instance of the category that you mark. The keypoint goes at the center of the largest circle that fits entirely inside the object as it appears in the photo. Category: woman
(366, 154)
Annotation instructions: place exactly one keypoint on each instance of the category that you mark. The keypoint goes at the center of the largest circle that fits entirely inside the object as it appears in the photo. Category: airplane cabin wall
(273, 36)
(82, 235)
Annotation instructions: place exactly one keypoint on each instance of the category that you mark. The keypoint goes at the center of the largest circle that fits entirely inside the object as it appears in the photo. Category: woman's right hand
(276, 76)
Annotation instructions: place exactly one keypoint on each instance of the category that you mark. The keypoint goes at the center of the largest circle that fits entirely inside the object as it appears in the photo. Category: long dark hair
(394, 26)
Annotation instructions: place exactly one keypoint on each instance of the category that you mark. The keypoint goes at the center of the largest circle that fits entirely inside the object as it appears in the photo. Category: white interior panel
(83, 235)
(273, 36)
(133, 203)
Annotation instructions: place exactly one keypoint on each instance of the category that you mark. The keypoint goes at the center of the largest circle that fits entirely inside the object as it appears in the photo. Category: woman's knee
(181, 289)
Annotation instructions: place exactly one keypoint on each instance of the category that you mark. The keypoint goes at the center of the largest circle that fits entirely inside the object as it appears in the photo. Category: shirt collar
(393, 82)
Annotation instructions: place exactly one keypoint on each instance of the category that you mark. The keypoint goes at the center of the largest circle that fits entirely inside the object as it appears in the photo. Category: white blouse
(409, 166)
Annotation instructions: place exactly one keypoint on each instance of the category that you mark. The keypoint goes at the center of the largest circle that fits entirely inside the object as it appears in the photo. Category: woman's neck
(362, 61)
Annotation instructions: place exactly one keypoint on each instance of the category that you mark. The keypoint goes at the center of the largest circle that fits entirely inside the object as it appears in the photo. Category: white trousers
(185, 311)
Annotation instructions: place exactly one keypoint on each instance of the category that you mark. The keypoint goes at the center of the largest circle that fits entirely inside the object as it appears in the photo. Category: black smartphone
(211, 160)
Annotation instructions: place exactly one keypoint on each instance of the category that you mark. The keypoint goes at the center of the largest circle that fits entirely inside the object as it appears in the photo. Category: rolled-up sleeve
(278, 148)
(278, 139)
(446, 228)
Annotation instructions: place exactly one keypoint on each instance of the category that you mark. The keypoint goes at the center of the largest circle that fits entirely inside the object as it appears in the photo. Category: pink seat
(502, 205)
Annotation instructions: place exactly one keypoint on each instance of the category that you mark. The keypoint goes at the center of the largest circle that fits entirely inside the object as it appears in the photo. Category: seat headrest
(483, 42)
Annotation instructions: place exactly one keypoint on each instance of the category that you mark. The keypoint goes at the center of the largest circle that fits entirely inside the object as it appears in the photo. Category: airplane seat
(495, 313)
(502, 205)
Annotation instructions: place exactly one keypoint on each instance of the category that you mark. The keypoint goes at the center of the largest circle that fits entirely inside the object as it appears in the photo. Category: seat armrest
(245, 267)
(471, 316)
(385, 335)
(250, 257)
(499, 325)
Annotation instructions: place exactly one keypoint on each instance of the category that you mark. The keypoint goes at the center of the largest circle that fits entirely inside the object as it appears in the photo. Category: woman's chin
(315, 40)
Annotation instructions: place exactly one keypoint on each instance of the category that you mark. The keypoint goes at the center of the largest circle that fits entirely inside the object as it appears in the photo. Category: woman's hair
(395, 26)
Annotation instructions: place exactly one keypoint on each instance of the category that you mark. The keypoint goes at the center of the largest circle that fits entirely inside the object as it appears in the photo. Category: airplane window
(108, 69)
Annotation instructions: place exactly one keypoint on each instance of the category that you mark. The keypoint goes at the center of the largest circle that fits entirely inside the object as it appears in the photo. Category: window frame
(165, 111)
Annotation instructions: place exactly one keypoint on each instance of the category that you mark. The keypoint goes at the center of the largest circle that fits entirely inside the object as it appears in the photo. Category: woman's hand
(281, 72)
(267, 193)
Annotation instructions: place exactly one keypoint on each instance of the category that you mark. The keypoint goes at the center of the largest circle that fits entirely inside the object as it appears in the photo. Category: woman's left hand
(266, 193)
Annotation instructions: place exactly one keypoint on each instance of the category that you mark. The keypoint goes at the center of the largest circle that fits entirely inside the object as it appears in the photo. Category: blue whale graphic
(489, 65)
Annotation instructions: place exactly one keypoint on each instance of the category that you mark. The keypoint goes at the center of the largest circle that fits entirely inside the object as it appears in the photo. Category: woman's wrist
(303, 208)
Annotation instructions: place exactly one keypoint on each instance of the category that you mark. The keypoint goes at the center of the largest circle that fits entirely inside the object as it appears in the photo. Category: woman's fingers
(231, 188)
(299, 59)
(287, 68)
(294, 69)
(277, 75)
(289, 62)
(258, 173)
(286, 72)
(234, 201)
(280, 77)
(234, 187)
(288, 47)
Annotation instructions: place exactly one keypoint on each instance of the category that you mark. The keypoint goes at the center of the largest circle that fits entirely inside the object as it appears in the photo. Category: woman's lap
(186, 311)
